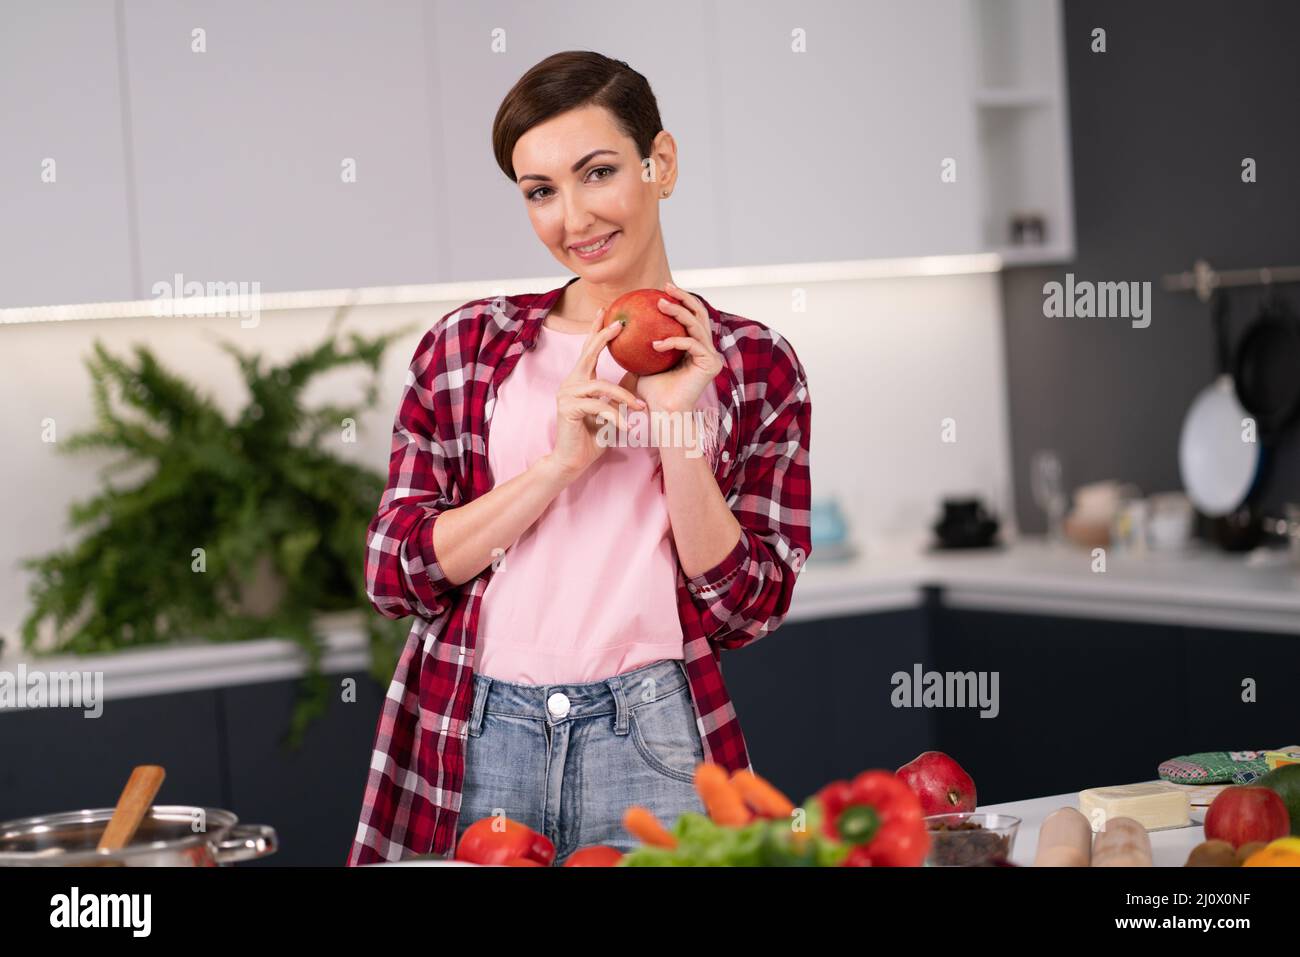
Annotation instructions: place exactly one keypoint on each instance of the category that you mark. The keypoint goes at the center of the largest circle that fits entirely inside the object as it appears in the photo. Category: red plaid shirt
(439, 461)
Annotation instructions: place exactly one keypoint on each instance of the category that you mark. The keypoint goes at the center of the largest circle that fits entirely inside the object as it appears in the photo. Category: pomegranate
(939, 781)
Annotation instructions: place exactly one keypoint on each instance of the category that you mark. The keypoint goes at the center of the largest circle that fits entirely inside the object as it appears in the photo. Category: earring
(665, 194)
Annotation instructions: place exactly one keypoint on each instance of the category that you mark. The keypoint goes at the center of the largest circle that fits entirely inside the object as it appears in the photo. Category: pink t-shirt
(588, 591)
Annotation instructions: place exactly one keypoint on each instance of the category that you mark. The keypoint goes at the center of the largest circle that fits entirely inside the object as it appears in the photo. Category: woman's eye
(534, 196)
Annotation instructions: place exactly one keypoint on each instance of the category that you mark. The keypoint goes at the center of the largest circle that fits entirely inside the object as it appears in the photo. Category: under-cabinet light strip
(456, 292)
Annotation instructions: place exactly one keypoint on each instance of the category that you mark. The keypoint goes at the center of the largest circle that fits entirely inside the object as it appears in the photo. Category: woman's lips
(600, 251)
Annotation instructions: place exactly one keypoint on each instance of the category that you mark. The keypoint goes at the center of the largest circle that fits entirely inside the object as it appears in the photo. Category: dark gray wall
(1159, 126)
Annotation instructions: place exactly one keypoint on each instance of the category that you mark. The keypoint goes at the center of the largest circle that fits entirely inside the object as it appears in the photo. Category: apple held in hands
(643, 322)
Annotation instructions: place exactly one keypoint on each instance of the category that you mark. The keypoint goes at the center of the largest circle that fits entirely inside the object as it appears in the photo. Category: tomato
(495, 840)
(598, 855)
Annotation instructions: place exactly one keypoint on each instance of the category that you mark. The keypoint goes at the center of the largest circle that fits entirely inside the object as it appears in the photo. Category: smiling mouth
(594, 245)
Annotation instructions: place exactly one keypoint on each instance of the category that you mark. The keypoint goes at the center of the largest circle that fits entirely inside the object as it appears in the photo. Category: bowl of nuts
(971, 839)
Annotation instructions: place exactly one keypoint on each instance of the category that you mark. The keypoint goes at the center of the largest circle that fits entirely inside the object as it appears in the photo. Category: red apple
(1244, 813)
(643, 323)
(940, 783)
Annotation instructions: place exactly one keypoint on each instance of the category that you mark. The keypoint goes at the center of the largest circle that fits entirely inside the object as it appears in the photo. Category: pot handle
(245, 842)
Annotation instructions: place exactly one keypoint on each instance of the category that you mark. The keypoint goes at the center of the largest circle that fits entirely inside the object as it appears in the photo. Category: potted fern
(238, 529)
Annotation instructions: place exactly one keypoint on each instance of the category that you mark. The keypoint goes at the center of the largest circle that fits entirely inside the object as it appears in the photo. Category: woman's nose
(576, 219)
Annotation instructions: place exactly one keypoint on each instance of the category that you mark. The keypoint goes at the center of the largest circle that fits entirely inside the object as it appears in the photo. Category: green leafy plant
(224, 505)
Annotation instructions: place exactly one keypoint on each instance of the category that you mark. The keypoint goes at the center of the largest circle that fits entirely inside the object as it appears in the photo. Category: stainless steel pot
(166, 838)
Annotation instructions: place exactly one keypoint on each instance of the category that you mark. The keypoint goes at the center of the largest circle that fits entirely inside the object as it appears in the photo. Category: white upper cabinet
(293, 152)
(64, 207)
(838, 151)
(487, 232)
(317, 144)
(1022, 109)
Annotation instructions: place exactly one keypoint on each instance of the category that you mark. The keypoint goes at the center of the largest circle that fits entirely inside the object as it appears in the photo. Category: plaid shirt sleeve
(403, 576)
(747, 594)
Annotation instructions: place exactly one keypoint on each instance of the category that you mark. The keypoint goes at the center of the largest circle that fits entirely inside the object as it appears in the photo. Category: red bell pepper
(488, 842)
(879, 816)
(597, 855)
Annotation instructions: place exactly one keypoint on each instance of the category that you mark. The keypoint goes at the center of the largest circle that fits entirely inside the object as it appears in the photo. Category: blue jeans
(568, 760)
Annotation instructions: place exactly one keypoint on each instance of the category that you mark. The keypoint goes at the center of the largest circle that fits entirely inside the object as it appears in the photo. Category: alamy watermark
(242, 300)
(1099, 300)
(52, 689)
(659, 429)
(946, 689)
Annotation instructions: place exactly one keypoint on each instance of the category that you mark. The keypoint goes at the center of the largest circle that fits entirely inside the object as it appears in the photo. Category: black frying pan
(1266, 368)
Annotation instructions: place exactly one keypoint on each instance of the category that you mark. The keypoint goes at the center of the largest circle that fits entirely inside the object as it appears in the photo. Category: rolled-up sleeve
(403, 576)
(748, 593)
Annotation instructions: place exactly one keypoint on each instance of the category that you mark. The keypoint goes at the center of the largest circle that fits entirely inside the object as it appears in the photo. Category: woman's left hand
(678, 389)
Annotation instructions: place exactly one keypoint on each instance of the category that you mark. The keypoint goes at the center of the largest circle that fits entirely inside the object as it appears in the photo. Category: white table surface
(1169, 847)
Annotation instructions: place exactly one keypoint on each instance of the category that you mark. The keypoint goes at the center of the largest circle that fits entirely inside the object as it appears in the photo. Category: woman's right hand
(584, 404)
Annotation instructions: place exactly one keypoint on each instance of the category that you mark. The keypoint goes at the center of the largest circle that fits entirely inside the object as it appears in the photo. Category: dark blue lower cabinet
(56, 759)
(814, 698)
(310, 795)
(1079, 702)
(1243, 689)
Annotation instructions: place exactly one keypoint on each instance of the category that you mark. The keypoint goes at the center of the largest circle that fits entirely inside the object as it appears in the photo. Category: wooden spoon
(132, 806)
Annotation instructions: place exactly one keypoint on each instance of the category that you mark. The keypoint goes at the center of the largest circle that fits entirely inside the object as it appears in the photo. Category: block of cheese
(1153, 804)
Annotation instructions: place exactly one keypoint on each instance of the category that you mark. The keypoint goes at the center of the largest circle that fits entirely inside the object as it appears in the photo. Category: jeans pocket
(665, 735)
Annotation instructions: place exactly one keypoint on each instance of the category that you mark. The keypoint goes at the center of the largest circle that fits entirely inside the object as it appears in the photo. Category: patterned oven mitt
(1215, 767)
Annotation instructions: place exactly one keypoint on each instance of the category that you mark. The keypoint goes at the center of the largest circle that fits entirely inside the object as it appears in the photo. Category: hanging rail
(1204, 279)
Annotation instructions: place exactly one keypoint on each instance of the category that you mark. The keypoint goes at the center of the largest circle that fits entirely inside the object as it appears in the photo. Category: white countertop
(1169, 846)
(1205, 588)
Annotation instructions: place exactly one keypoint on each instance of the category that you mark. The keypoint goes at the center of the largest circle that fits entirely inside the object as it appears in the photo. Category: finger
(693, 346)
(591, 350)
(602, 411)
(691, 303)
(609, 389)
(695, 326)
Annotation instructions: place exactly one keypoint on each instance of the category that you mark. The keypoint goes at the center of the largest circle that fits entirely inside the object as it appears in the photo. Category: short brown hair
(567, 81)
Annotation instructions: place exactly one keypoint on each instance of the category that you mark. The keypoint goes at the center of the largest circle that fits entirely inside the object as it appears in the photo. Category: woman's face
(581, 180)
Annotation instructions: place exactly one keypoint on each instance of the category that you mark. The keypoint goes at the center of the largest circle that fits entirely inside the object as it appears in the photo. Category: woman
(571, 594)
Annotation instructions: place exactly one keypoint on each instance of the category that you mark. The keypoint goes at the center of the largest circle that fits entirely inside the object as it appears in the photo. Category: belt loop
(620, 704)
(481, 686)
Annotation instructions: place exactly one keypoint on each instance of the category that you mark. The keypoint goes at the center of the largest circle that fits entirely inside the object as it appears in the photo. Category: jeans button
(558, 705)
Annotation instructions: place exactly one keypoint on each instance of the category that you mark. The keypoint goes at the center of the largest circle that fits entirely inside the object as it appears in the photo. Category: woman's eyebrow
(576, 166)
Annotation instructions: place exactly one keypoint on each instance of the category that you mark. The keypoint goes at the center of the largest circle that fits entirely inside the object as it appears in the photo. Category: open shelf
(1021, 121)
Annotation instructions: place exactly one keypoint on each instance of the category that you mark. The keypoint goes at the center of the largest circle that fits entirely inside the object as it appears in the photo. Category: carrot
(762, 798)
(645, 827)
(721, 797)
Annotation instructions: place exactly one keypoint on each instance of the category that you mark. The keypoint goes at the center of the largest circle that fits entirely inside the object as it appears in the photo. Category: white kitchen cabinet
(1022, 110)
(241, 150)
(486, 232)
(64, 202)
(836, 153)
(228, 165)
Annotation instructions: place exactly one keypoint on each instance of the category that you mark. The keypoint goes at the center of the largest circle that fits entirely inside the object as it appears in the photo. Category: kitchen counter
(1204, 588)
(1169, 847)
